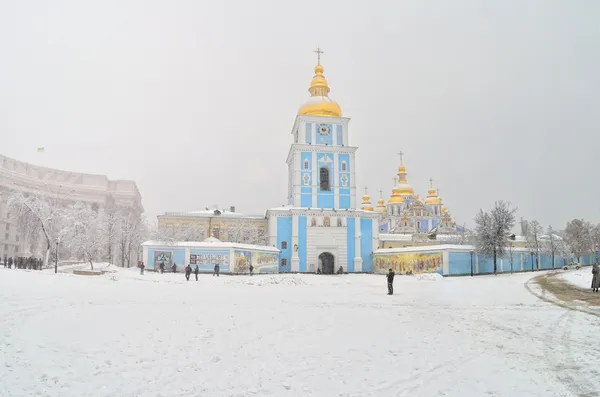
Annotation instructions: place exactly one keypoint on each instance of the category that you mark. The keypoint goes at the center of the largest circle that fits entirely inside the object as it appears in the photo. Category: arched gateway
(327, 263)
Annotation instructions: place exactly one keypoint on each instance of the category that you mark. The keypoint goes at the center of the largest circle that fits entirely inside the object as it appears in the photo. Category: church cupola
(432, 198)
(381, 204)
(405, 188)
(366, 203)
(319, 103)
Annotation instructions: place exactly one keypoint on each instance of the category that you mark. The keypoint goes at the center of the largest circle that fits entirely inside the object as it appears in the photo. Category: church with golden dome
(408, 219)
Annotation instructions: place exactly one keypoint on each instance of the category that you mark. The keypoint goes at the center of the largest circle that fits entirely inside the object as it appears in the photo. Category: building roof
(211, 243)
(211, 214)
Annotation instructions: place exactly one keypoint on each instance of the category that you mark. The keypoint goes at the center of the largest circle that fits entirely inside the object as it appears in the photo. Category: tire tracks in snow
(558, 355)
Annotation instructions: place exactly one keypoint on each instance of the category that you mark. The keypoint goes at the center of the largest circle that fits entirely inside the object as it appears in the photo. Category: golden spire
(405, 188)
(366, 204)
(319, 103)
(432, 198)
(380, 203)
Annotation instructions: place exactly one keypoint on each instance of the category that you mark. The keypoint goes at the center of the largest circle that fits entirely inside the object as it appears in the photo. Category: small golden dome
(366, 203)
(381, 205)
(405, 188)
(319, 103)
(432, 198)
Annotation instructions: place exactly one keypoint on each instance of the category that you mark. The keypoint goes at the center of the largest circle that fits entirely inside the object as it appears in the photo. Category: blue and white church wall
(302, 235)
(231, 257)
(321, 164)
(457, 260)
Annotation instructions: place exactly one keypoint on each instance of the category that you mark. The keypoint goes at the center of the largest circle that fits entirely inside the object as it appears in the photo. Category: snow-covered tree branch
(493, 229)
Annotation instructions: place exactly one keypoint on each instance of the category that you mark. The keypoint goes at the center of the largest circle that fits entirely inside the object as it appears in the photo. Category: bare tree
(83, 232)
(245, 232)
(551, 243)
(35, 213)
(493, 229)
(578, 234)
(130, 233)
(533, 237)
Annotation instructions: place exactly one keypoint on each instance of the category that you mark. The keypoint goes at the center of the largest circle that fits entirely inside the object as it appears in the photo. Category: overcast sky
(195, 100)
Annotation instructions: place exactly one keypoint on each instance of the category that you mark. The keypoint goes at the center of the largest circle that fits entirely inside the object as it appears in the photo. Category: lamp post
(531, 260)
(471, 263)
(56, 259)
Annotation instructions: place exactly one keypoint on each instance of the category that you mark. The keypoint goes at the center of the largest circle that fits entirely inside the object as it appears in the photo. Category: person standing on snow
(142, 268)
(216, 271)
(174, 268)
(196, 271)
(188, 272)
(251, 268)
(595, 277)
(390, 281)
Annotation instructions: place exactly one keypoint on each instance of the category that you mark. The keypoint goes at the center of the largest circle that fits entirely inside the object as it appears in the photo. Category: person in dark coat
(595, 277)
(390, 281)
(216, 270)
(142, 267)
(162, 267)
(188, 272)
(251, 268)
(196, 271)
(5, 261)
(10, 262)
(340, 270)
(174, 268)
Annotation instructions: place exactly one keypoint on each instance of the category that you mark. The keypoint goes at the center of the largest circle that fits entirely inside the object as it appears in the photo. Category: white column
(315, 172)
(336, 180)
(352, 180)
(477, 264)
(357, 254)
(186, 258)
(445, 262)
(295, 265)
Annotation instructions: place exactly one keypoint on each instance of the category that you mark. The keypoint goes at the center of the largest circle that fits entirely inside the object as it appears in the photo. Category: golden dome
(432, 198)
(405, 188)
(366, 203)
(319, 103)
(396, 197)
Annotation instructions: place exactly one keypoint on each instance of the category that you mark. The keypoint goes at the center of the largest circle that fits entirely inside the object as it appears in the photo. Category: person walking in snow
(251, 268)
(174, 268)
(142, 268)
(196, 271)
(216, 270)
(595, 277)
(188, 272)
(10, 262)
(390, 281)
(162, 267)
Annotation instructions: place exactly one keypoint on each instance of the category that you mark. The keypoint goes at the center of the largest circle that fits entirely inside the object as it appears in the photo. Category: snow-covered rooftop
(212, 213)
(210, 242)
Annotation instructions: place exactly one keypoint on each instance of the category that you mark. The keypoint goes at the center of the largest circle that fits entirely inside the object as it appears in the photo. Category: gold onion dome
(396, 197)
(366, 203)
(319, 103)
(432, 198)
(380, 203)
(403, 186)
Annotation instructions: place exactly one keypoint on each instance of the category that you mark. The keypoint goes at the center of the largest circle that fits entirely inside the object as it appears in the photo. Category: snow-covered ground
(123, 334)
(581, 277)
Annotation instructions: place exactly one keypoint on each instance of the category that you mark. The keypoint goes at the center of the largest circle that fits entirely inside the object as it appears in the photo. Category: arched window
(306, 164)
(313, 221)
(324, 179)
(339, 222)
(326, 221)
(344, 166)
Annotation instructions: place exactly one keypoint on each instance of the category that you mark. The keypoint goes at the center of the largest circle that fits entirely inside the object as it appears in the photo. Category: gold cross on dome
(319, 51)
(431, 182)
(400, 154)
(380, 193)
(366, 188)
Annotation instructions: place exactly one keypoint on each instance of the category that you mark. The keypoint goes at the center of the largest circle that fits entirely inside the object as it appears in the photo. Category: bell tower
(320, 162)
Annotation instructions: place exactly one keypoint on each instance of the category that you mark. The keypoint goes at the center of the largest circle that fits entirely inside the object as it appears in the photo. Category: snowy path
(297, 335)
